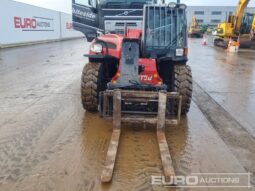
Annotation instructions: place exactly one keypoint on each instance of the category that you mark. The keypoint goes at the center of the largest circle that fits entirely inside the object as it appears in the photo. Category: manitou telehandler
(137, 70)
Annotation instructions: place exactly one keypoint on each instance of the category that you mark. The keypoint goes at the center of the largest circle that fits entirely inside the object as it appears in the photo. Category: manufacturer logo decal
(146, 78)
(84, 14)
(126, 13)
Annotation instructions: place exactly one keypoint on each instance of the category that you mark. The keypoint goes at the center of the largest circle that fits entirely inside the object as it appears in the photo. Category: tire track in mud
(184, 166)
(234, 135)
(180, 142)
(24, 149)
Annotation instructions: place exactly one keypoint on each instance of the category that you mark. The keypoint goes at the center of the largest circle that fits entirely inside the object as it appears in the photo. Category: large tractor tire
(183, 85)
(90, 86)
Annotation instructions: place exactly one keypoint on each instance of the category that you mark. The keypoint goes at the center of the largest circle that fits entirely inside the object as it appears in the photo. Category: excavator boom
(253, 23)
(238, 17)
(252, 34)
(194, 29)
(194, 22)
(232, 27)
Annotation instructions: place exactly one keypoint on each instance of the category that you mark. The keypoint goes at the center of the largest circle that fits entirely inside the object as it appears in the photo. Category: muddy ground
(48, 142)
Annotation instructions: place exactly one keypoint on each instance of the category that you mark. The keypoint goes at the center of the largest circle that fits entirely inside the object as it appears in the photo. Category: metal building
(212, 15)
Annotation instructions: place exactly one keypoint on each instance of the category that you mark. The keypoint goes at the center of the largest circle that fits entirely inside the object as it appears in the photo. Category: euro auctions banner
(22, 23)
(67, 30)
(34, 23)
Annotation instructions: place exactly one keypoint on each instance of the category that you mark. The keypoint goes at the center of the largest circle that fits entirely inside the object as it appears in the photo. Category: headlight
(172, 5)
(179, 52)
(183, 6)
(97, 48)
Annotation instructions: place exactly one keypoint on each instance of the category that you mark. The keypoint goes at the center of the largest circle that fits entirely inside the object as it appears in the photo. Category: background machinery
(252, 33)
(238, 27)
(137, 70)
(195, 30)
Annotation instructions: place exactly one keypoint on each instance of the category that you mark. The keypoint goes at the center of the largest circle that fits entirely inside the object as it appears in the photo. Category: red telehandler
(137, 70)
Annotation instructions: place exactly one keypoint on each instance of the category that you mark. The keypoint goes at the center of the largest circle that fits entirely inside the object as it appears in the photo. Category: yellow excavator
(195, 31)
(252, 34)
(239, 26)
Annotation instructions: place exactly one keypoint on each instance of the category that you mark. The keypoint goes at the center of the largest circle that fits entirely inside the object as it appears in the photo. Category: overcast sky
(65, 5)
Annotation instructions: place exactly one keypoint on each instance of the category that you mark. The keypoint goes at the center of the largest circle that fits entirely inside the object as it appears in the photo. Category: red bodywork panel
(114, 39)
(150, 74)
(134, 33)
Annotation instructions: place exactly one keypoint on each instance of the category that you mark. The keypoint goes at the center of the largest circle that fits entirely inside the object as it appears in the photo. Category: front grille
(118, 26)
(128, 24)
(131, 24)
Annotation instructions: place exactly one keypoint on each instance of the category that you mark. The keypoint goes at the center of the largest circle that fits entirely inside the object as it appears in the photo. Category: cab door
(85, 18)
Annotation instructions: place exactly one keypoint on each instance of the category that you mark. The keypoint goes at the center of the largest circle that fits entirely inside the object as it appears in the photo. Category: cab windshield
(165, 29)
